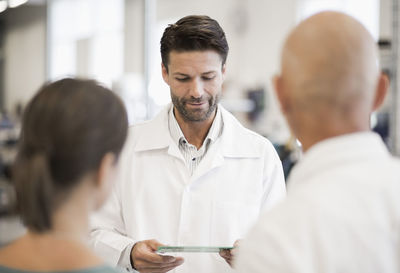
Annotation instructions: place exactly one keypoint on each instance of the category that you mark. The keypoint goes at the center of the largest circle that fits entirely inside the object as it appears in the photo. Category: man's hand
(229, 255)
(144, 258)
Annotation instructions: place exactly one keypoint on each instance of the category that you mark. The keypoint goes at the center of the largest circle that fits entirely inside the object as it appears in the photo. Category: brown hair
(67, 128)
(192, 33)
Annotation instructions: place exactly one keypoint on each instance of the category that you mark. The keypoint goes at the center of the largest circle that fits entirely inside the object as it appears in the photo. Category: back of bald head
(329, 65)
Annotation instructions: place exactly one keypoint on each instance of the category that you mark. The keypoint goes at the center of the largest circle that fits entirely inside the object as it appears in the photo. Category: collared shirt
(342, 213)
(191, 155)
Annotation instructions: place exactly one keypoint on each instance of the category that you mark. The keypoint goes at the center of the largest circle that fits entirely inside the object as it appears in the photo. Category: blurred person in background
(342, 213)
(72, 134)
(192, 176)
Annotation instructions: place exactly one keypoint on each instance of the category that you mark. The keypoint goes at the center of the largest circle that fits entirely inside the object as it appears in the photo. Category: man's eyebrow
(186, 75)
(180, 74)
(209, 72)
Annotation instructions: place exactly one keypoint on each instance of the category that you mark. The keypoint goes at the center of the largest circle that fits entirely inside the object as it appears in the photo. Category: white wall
(25, 62)
(385, 21)
(133, 45)
(257, 57)
(392, 102)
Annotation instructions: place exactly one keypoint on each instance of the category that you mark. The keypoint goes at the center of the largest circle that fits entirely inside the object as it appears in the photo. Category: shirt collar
(178, 136)
(353, 147)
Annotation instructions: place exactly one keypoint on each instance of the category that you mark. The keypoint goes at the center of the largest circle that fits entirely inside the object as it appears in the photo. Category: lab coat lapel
(236, 140)
(156, 135)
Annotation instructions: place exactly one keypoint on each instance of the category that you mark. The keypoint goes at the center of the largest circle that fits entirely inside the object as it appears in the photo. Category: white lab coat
(342, 213)
(156, 198)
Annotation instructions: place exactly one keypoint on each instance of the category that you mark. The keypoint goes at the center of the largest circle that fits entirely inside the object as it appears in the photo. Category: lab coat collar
(236, 141)
(344, 149)
(154, 134)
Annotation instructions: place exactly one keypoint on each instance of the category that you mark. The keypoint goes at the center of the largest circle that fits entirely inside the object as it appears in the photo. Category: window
(86, 39)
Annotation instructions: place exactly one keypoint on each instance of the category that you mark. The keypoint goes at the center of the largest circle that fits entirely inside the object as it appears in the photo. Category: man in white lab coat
(192, 176)
(342, 213)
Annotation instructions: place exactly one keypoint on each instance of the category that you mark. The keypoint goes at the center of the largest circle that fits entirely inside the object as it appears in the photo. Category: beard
(195, 115)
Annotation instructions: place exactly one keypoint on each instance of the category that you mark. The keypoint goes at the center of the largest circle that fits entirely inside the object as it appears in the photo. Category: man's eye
(208, 78)
(182, 79)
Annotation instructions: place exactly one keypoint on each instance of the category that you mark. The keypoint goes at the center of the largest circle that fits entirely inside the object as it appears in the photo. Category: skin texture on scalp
(329, 75)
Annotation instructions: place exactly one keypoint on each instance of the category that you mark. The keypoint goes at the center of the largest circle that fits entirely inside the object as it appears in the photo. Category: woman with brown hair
(72, 134)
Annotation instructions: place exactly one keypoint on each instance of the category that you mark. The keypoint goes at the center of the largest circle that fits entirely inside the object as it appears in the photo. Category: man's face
(195, 79)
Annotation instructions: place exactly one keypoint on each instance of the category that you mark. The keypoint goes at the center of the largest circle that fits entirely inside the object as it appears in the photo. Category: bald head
(329, 73)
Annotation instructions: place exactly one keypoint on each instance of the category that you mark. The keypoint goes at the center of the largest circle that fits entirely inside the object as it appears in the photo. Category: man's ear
(164, 73)
(223, 72)
(280, 94)
(381, 91)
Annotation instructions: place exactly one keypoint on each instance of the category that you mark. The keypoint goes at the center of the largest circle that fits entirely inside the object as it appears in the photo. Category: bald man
(342, 213)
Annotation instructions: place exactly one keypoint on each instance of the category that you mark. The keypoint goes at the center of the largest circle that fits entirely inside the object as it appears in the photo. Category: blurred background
(117, 43)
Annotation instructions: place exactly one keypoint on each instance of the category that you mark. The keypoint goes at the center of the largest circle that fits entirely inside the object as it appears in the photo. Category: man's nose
(196, 89)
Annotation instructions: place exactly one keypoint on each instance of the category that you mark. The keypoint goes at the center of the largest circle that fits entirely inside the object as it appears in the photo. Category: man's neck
(309, 139)
(195, 132)
(313, 128)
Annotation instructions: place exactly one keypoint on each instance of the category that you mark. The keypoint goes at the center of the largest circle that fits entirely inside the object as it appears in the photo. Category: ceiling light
(16, 3)
(3, 5)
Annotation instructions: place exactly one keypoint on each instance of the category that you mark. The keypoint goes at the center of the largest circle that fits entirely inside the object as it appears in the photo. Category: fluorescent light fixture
(3, 5)
(16, 3)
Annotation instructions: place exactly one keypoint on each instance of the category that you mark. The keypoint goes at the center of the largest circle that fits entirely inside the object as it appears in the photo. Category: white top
(189, 152)
(155, 197)
(342, 213)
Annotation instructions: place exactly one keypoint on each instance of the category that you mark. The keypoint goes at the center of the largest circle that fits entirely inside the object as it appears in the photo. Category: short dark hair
(192, 33)
(67, 128)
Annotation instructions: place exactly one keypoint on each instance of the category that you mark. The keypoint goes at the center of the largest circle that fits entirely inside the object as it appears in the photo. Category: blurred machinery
(386, 121)
(7, 198)
(391, 64)
(257, 97)
(10, 224)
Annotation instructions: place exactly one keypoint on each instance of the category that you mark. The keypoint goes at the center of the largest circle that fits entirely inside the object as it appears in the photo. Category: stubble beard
(195, 115)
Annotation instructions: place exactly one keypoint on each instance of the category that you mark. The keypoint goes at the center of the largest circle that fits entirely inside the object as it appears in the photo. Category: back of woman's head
(67, 129)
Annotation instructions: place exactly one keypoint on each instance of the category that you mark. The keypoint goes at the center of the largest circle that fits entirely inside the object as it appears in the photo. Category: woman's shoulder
(49, 255)
(8, 253)
(99, 269)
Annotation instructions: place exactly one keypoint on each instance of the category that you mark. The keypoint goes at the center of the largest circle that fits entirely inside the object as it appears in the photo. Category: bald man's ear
(164, 73)
(280, 94)
(381, 91)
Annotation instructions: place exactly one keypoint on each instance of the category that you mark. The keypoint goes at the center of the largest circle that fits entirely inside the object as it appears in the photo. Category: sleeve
(274, 180)
(108, 236)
